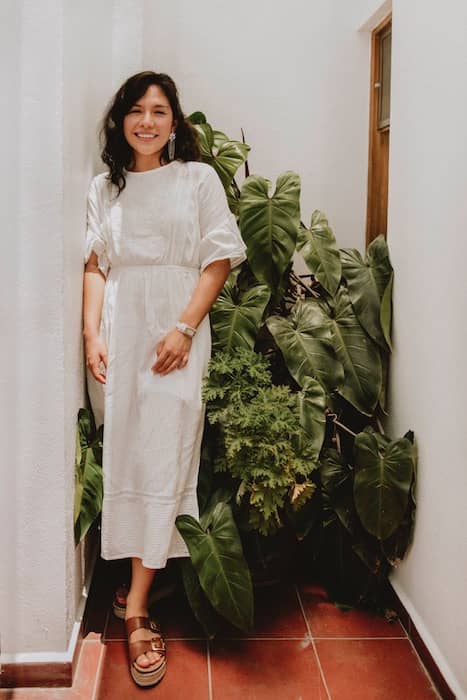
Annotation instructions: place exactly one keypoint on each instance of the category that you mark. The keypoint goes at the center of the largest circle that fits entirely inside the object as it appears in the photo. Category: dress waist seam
(166, 265)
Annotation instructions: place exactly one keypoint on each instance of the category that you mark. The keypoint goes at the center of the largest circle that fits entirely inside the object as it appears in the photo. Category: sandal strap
(141, 646)
(135, 623)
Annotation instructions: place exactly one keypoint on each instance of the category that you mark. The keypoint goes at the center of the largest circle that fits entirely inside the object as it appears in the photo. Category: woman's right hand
(96, 353)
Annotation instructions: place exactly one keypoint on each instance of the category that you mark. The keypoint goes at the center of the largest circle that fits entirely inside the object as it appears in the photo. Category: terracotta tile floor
(302, 648)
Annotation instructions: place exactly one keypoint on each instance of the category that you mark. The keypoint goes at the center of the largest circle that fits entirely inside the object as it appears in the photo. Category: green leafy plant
(265, 446)
(88, 473)
(217, 558)
(299, 442)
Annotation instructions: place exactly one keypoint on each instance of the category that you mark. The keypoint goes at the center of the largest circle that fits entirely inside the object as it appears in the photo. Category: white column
(60, 64)
(428, 243)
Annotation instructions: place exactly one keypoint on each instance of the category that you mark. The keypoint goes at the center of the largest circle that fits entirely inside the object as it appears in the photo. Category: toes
(153, 657)
(143, 661)
(147, 659)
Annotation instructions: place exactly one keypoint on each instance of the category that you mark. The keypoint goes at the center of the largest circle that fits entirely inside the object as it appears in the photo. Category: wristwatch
(185, 329)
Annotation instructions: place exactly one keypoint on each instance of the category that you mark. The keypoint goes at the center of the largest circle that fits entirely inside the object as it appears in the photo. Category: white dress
(152, 242)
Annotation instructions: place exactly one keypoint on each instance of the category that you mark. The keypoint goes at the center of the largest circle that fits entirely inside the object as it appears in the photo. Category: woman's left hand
(172, 352)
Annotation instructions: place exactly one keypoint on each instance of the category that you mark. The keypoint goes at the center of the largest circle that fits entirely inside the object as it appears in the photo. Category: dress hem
(139, 556)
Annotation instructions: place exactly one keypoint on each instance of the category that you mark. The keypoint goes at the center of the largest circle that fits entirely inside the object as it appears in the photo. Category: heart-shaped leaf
(321, 254)
(367, 281)
(217, 556)
(236, 316)
(305, 340)
(224, 154)
(269, 225)
(357, 353)
(383, 476)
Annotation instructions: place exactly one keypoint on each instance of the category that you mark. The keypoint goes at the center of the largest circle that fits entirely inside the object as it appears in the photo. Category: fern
(263, 445)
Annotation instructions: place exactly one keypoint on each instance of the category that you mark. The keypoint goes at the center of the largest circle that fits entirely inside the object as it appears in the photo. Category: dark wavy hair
(116, 153)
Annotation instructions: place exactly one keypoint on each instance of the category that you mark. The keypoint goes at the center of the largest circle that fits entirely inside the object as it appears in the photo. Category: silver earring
(172, 145)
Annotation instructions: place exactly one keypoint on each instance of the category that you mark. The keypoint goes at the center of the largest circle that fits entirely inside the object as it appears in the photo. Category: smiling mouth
(146, 137)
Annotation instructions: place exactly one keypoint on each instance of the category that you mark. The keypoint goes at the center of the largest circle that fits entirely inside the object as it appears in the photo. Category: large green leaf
(224, 154)
(367, 281)
(304, 338)
(269, 225)
(88, 474)
(311, 406)
(377, 257)
(236, 316)
(304, 235)
(202, 608)
(321, 254)
(358, 354)
(337, 481)
(217, 555)
(336, 478)
(230, 156)
(383, 476)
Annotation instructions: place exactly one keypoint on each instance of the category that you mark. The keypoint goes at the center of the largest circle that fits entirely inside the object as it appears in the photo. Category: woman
(160, 244)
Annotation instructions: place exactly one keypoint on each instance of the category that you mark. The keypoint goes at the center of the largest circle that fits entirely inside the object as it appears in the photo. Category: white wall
(61, 62)
(294, 75)
(428, 242)
(296, 80)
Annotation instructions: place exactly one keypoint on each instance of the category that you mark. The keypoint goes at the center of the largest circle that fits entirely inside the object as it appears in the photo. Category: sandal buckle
(155, 644)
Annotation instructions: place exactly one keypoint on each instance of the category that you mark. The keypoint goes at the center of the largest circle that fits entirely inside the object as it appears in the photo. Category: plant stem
(344, 427)
(380, 426)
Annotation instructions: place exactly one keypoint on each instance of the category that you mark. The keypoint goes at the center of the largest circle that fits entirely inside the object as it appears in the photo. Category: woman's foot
(150, 657)
(142, 674)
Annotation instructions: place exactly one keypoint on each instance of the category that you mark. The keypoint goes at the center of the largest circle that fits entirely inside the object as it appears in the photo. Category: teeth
(146, 136)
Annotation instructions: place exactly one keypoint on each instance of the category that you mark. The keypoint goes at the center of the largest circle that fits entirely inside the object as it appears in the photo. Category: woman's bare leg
(137, 605)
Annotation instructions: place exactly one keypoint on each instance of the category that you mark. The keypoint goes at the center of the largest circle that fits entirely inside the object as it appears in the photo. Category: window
(380, 113)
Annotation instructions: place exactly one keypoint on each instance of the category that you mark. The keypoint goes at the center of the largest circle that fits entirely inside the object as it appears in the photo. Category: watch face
(184, 328)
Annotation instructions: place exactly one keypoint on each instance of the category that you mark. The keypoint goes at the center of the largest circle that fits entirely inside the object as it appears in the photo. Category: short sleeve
(95, 233)
(220, 236)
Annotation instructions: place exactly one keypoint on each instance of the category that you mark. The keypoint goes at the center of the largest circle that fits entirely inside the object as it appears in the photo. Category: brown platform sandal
(119, 600)
(151, 675)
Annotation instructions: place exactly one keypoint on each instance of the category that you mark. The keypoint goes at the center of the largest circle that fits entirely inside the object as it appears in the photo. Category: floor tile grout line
(321, 671)
(208, 658)
(97, 680)
(424, 669)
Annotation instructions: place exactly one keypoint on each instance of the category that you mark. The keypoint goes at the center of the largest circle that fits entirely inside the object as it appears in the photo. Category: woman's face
(147, 126)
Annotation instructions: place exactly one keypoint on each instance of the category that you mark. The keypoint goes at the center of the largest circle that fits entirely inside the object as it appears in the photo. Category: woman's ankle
(136, 606)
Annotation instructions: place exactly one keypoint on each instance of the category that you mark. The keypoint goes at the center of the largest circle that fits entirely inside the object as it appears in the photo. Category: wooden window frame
(378, 152)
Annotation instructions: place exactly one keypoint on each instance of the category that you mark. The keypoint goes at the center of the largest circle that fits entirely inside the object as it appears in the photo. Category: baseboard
(49, 669)
(439, 680)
